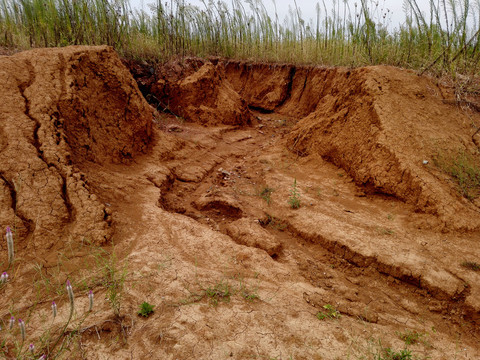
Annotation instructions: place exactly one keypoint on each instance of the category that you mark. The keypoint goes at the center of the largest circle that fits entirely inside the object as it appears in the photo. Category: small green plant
(471, 265)
(146, 309)
(113, 277)
(294, 199)
(329, 313)
(410, 337)
(220, 292)
(385, 231)
(389, 354)
(464, 169)
(266, 193)
(248, 294)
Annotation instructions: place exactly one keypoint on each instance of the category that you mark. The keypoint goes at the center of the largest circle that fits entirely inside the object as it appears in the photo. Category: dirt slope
(381, 128)
(200, 216)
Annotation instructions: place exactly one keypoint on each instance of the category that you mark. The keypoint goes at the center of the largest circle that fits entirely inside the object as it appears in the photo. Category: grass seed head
(54, 309)
(90, 300)
(21, 323)
(9, 236)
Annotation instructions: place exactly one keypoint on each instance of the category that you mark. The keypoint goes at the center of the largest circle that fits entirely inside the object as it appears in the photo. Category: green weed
(464, 169)
(248, 293)
(385, 231)
(410, 337)
(113, 277)
(471, 265)
(273, 222)
(266, 193)
(389, 354)
(329, 312)
(146, 309)
(294, 198)
(221, 292)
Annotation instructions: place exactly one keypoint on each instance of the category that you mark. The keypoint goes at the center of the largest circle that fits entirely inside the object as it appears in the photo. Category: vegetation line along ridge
(343, 35)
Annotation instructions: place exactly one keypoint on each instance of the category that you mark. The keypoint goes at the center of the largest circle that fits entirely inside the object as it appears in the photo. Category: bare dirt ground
(198, 206)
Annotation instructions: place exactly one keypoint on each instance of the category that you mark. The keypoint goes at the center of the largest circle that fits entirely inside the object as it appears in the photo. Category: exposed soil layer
(200, 95)
(61, 107)
(379, 124)
(200, 205)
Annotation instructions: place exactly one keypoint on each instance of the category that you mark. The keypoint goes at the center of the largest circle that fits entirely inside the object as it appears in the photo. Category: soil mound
(62, 107)
(387, 127)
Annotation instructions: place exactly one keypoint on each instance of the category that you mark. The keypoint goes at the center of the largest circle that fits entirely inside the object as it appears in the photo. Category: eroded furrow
(220, 182)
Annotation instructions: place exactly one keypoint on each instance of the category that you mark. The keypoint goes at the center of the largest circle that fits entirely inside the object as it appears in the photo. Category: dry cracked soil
(266, 211)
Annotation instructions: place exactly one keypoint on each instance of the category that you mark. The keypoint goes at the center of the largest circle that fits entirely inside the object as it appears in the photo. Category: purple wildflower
(3, 278)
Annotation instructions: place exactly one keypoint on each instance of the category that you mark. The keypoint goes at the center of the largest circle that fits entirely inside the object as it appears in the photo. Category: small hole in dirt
(260, 110)
(264, 222)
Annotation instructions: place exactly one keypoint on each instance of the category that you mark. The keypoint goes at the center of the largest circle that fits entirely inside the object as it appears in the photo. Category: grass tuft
(410, 337)
(329, 312)
(266, 194)
(146, 309)
(471, 265)
(221, 292)
(464, 169)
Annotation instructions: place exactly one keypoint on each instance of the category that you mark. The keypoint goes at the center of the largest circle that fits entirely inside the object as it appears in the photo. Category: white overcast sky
(307, 7)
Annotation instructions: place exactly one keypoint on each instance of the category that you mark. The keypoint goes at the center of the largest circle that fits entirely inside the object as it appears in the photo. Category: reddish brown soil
(196, 201)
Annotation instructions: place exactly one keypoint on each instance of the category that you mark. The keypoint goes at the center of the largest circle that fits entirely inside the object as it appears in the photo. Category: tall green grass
(444, 39)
